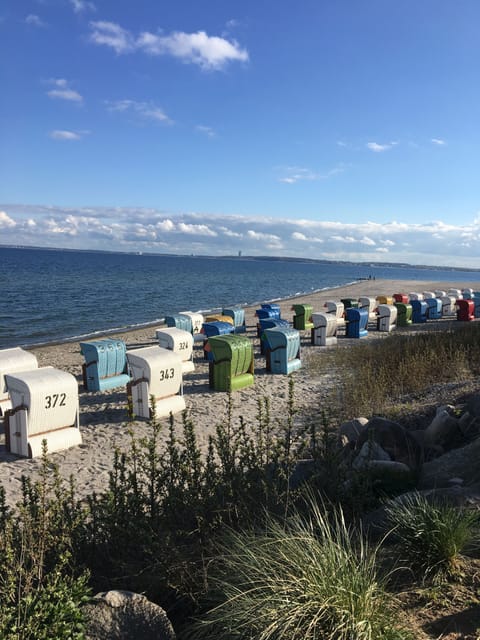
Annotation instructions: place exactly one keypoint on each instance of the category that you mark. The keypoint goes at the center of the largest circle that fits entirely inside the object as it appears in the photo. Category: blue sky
(340, 129)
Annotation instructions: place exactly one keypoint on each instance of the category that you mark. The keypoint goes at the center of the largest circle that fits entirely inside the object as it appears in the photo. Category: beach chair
(197, 321)
(302, 320)
(439, 293)
(337, 309)
(455, 293)
(44, 407)
(349, 303)
(448, 305)
(467, 293)
(404, 314)
(231, 366)
(272, 306)
(413, 295)
(368, 304)
(387, 317)
(400, 297)
(180, 321)
(105, 365)
(324, 332)
(385, 300)
(269, 323)
(219, 317)
(427, 295)
(180, 342)
(465, 310)
(238, 316)
(476, 306)
(282, 353)
(11, 361)
(434, 310)
(419, 311)
(210, 329)
(155, 372)
(356, 322)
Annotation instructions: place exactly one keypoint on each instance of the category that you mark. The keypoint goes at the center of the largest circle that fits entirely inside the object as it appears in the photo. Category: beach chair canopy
(282, 349)
(105, 365)
(231, 366)
(12, 361)
(180, 342)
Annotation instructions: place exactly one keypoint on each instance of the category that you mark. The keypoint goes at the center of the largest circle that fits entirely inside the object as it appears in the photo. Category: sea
(52, 295)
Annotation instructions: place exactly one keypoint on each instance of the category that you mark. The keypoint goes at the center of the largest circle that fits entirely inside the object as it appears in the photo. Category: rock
(123, 615)
(457, 463)
(469, 426)
(394, 439)
(352, 429)
(370, 451)
(443, 430)
(473, 405)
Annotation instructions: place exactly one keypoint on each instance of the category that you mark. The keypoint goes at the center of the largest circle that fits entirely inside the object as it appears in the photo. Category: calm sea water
(49, 295)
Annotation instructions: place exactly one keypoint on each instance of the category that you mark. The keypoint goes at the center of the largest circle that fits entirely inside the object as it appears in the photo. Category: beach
(103, 415)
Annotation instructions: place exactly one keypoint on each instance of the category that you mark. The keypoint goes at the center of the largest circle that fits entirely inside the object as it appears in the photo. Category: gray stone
(457, 463)
(394, 439)
(370, 451)
(443, 430)
(473, 405)
(123, 615)
(352, 429)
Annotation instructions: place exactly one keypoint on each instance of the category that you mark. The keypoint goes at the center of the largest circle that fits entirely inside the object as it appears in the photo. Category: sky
(330, 129)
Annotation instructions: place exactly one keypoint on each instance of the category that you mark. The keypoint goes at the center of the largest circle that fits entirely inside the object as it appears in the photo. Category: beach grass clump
(430, 537)
(309, 577)
(376, 375)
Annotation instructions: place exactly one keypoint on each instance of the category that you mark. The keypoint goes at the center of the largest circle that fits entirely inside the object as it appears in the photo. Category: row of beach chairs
(43, 403)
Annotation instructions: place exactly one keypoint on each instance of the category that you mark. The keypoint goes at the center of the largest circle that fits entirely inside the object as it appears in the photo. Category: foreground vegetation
(226, 542)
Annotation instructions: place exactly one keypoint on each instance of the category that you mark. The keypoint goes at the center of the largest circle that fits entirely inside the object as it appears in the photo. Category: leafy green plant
(430, 537)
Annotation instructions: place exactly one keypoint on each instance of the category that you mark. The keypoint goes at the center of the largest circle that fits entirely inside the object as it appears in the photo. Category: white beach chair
(180, 342)
(324, 332)
(337, 309)
(387, 317)
(369, 304)
(44, 407)
(197, 322)
(12, 361)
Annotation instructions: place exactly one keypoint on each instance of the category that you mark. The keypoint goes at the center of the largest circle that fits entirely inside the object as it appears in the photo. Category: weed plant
(430, 537)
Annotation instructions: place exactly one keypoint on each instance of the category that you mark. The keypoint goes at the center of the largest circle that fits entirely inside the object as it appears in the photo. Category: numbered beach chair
(105, 365)
(180, 342)
(155, 372)
(324, 332)
(337, 309)
(434, 310)
(44, 407)
(11, 361)
(210, 329)
(231, 366)
(368, 304)
(400, 297)
(197, 321)
(419, 311)
(238, 316)
(404, 314)
(387, 317)
(180, 321)
(302, 320)
(282, 353)
(356, 322)
(448, 305)
(465, 310)
(269, 323)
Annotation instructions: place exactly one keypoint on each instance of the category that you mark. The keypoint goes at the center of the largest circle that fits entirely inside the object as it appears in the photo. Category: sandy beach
(103, 415)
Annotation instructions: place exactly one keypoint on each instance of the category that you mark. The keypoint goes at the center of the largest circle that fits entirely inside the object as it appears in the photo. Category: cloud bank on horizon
(150, 231)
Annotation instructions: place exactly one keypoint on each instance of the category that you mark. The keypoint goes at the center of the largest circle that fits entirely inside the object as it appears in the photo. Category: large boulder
(123, 615)
(394, 439)
(457, 463)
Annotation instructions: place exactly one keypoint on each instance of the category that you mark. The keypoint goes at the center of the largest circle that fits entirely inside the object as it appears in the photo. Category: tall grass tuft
(313, 578)
(431, 537)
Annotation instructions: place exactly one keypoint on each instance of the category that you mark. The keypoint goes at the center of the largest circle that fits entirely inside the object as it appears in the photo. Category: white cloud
(208, 131)
(145, 110)
(379, 148)
(136, 229)
(79, 6)
(35, 21)
(208, 52)
(298, 174)
(438, 141)
(62, 91)
(63, 134)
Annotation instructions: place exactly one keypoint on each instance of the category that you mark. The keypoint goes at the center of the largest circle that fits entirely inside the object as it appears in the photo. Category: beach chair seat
(269, 323)
(434, 308)
(465, 310)
(369, 304)
(356, 322)
(232, 366)
(302, 320)
(324, 332)
(155, 372)
(404, 314)
(44, 407)
(238, 316)
(11, 361)
(180, 342)
(105, 365)
(419, 311)
(282, 353)
(387, 317)
(337, 309)
(180, 321)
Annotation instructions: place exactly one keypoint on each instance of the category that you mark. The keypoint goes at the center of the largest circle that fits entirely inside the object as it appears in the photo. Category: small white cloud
(145, 110)
(6, 221)
(63, 92)
(208, 131)
(296, 235)
(378, 148)
(298, 174)
(112, 35)
(79, 6)
(438, 141)
(35, 21)
(63, 134)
